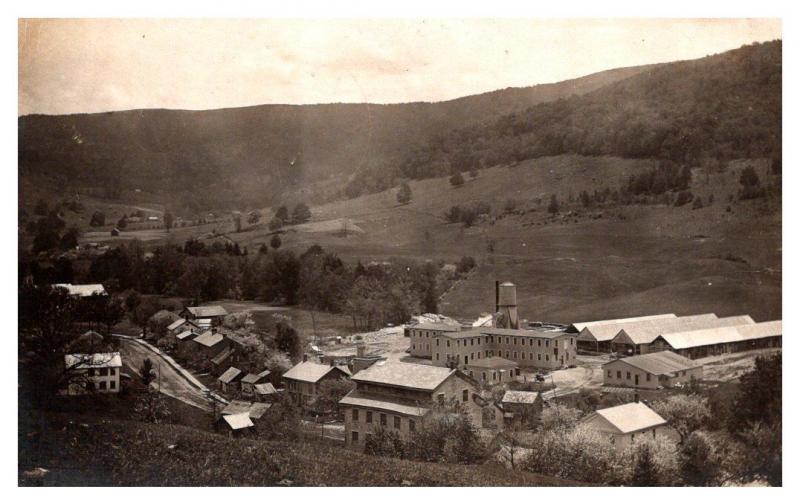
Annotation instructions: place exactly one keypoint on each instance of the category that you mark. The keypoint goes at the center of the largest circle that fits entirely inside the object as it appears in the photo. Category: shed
(251, 380)
(229, 380)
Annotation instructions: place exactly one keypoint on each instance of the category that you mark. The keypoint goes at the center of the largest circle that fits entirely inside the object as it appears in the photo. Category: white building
(89, 373)
(625, 423)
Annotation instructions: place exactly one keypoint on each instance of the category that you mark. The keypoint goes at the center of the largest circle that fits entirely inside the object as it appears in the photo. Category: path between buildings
(174, 380)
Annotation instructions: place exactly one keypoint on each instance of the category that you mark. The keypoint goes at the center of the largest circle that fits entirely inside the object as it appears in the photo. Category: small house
(521, 407)
(651, 371)
(214, 313)
(90, 373)
(625, 423)
(210, 344)
(251, 380)
(115, 232)
(237, 424)
(303, 380)
(229, 380)
(265, 392)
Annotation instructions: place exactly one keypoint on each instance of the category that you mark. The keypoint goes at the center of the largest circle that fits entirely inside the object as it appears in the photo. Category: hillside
(82, 452)
(253, 156)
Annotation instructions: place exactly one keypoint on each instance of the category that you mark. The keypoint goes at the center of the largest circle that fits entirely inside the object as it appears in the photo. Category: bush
(457, 180)
(465, 264)
(697, 203)
(453, 215)
(683, 198)
(404, 193)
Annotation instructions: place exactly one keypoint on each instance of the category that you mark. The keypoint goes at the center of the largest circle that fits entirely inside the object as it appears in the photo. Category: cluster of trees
(300, 214)
(467, 215)
(49, 231)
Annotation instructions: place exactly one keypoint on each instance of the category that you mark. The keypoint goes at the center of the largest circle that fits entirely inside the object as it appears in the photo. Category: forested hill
(725, 106)
(252, 155)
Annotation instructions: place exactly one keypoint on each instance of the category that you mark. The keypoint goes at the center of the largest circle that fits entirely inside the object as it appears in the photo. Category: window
(619, 375)
(413, 346)
(515, 354)
(437, 342)
(383, 418)
(609, 373)
(397, 422)
(627, 375)
(412, 426)
(112, 385)
(539, 356)
(654, 433)
(103, 372)
(355, 415)
(494, 375)
(354, 435)
(571, 341)
(483, 376)
(547, 343)
(515, 341)
(369, 417)
(102, 385)
(507, 340)
(91, 372)
(448, 343)
(440, 398)
(547, 357)
(437, 355)
(465, 395)
(506, 354)
(648, 376)
(539, 342)
(112, 372)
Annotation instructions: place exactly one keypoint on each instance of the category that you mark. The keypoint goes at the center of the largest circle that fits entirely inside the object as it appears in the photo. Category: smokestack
(305, 357)
(496, 296)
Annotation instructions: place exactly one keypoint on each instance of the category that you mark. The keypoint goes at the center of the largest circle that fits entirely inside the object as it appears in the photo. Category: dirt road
(172, 383)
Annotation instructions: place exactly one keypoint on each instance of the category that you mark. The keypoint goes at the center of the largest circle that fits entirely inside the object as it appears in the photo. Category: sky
(81, 66)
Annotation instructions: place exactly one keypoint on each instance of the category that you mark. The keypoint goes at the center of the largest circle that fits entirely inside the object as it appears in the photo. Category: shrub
(683, 198)
(697, 203)
(465, 264)
(457, 180)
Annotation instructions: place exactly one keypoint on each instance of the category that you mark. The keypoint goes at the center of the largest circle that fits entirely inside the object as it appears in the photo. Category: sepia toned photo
(399, 252)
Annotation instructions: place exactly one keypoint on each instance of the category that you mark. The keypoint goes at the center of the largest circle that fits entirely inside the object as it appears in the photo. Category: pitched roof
(230, 374)
(579, 326)
(646, 333)
(209, 338)
(500, 331)
(493, 363)
(607, 332)
(257, 409)
(238, 421)
(176, 324)
(207, 311)
(97, 360)
(394, 405)
(236, 406)
(659, 363)
(631, 417)
(719, 335)
(253, 378)
(310, 372)
(185, 334)
(83, 290)
(520, 397)
(265, 388)
(220, 357)
(404, 375)
(434, 326)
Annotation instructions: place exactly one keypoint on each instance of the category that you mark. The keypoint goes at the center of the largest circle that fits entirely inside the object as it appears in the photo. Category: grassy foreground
(126, 453)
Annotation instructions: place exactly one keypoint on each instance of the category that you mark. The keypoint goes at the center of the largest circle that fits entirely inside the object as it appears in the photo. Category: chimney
(305, 357)
(361, 349)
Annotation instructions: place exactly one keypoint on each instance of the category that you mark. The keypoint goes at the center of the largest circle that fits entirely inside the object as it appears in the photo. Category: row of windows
(647, 376)
(382, 419)
(112, 385)
(103, 372)
(508, 355)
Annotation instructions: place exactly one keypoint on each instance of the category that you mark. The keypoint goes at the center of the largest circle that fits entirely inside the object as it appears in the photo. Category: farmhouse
(88, 373)
(303, 380)
(598, 337)
(714, 341)
(521, 408)
(398, 397)
(215, 313)
(490, 371)
(625, 423)
(637, 338)
(228, 382)
(650, 371)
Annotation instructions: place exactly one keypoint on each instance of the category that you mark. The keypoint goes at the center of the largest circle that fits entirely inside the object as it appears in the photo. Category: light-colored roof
(659, 363)
(97, 360)
(230, 374)
(257, 409)
(265, 388)
(253, 378)
(607, 332)
(207, 311)
(646, 333)
(185, 334)
(520, 397)
(83, 290)
(404, 375)
(238, 421)
(500, 331)
(393, 405)
(631, 417)
(209, 338)
(432, 326)
(719, 335)
(236, 406)
(310, 372)
(578, 326)
(176, 324)
(493, 363)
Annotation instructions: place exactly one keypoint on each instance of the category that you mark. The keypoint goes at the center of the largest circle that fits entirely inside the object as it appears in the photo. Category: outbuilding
(651, 371)
(625, 423)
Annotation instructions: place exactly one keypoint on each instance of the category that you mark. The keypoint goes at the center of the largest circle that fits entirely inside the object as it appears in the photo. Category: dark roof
(220, 357)
(404, 375)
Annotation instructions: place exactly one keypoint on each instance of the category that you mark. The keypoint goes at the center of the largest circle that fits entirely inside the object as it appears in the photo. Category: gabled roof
(519, 397)
(176, 324)
(185, 334)
(631, 417)
(209, 338)
(310, 372)
(579, 326)
(257, 409)
(720, 335)
(607, 332)
(238, 421)
(433, 326)
(236, 406)
(659, 363)
(207, 311)
(220, 357)
(265, 388)
(83, 290)
(493, 363)
(404, 375)
(360, 399)
(230, 375)
(97, 360)
(254, 378)
(646, 333)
